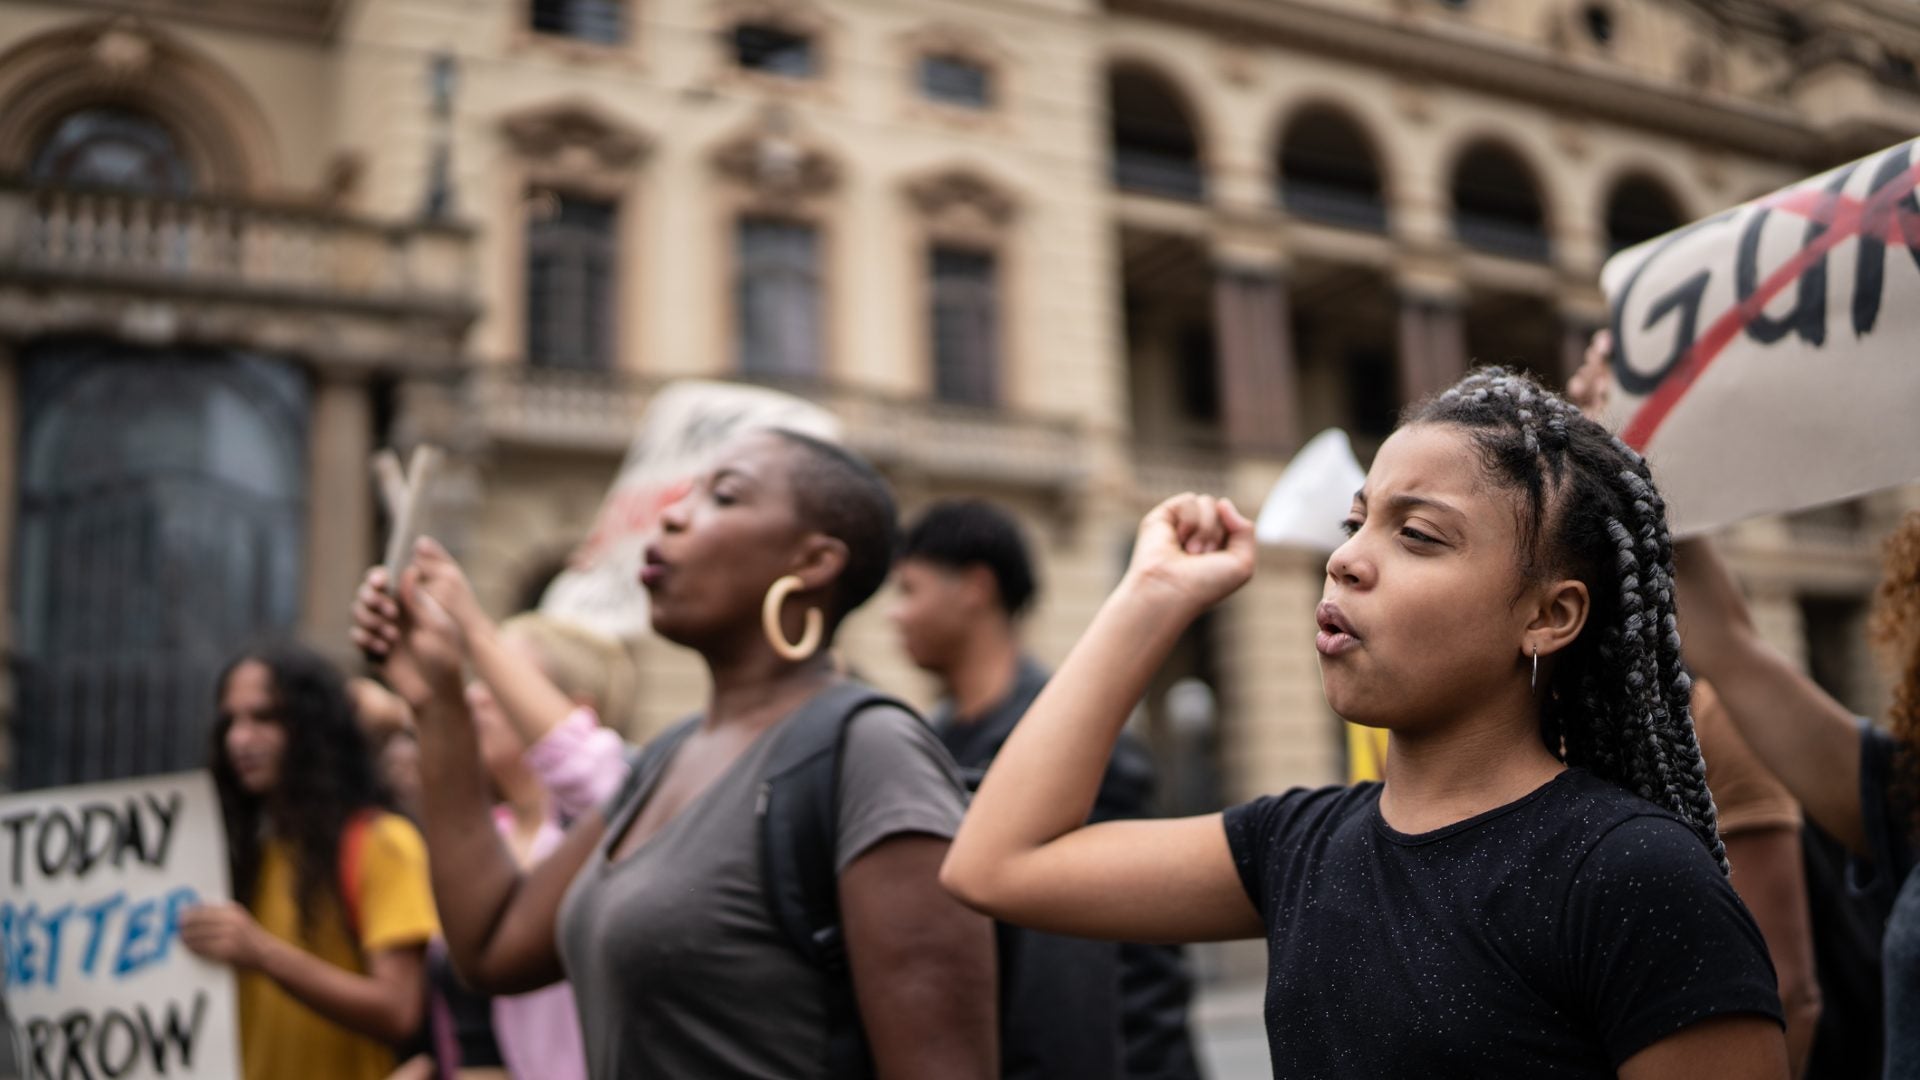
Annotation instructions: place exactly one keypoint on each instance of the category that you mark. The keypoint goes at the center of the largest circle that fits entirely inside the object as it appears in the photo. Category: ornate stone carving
(775, 163)
(961, 192)
(124, 51)
(576, 136)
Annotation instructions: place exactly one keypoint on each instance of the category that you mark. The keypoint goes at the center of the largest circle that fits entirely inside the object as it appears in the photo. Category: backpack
(353, 843)
(797, 808)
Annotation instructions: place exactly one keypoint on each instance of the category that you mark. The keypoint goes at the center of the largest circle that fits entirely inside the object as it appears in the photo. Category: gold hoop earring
(809, 642)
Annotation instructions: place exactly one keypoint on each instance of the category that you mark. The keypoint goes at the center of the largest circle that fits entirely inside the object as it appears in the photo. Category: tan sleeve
(1747, 796)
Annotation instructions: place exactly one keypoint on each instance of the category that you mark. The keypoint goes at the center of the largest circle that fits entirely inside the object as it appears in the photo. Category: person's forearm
(474, 875)
(1715, 622)
(1802, 1011)
(1798, 731)
(1770, 877)
(580, 763)
(1043, 783)
(533, 705)
(387, 1010)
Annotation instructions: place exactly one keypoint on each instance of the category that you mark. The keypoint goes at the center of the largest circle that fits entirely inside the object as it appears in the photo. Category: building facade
(1073, 255)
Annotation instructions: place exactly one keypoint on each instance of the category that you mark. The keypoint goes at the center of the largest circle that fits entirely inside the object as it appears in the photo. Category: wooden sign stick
(405, 497)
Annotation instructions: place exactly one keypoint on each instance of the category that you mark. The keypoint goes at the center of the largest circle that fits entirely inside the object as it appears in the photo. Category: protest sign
(1763, 357)
(96, 879)
(684, 426)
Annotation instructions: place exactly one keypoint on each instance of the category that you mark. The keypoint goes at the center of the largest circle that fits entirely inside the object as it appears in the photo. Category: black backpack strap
(799, 827)
(646, 763)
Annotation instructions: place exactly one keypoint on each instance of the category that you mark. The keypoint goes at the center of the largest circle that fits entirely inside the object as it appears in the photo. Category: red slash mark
(1879, 216)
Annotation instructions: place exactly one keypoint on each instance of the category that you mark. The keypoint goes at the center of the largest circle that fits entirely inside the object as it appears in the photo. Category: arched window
(1154, 149)
(1328, 172)
(1496, 204)
(161, 522)
(1639, 210)
(112, 148)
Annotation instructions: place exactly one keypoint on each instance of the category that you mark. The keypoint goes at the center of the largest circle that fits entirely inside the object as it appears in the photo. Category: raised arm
(1798, 730)
(530, 701)
(1024, 853)
(499, 923)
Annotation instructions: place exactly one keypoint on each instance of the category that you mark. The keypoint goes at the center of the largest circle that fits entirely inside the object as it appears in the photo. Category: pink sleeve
(581, 763)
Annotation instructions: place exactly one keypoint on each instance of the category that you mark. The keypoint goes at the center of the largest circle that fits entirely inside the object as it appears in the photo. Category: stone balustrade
(599, 411)
(230, 248)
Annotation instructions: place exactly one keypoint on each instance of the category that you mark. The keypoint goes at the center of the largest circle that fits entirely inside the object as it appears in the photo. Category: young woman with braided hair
(1537, 888)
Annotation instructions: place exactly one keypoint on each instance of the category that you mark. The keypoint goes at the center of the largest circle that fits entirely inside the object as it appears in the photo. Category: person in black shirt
(1083, 1009)
(1537, 888)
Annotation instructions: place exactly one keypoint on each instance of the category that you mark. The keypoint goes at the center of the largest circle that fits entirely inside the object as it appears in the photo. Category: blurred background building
(1074, 255)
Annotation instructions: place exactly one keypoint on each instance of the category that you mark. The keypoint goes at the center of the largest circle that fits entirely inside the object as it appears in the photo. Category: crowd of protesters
(1579, 861)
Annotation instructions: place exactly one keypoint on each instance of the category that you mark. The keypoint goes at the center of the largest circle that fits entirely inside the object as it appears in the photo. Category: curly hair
(1617, 703)
(1895, 631)
(326, 777)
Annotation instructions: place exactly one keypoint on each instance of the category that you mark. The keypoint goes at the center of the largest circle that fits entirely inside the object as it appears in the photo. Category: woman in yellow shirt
(329, 937)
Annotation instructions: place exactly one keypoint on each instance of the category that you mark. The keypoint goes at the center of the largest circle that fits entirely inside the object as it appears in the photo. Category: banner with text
(1764, 357)
(96, 878)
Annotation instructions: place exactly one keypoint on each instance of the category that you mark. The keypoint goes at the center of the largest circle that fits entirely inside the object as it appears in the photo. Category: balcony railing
(230, 248)
(600, 411)
(1153, 172)
(1331, 204)
(1501, 236)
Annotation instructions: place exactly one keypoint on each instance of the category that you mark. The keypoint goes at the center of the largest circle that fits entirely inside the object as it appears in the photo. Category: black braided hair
(1617, 702)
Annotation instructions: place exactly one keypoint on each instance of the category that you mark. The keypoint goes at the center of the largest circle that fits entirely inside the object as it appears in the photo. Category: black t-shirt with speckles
(1554, 936)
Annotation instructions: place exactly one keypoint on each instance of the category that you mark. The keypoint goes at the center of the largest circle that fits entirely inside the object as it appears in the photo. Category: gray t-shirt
(675, 960)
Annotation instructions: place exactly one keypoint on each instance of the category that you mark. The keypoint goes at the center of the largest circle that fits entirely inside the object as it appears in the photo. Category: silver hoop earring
(1533, 681)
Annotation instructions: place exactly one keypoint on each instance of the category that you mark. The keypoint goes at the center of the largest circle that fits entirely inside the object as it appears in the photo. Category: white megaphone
(1312, 497)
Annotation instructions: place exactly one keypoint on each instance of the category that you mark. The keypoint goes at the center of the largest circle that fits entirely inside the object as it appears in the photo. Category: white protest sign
(1764, 357)
(96, 878)
(684, 426)
(1313, 495)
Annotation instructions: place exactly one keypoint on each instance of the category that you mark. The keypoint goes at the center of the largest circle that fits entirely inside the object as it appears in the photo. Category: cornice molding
(1508, 69)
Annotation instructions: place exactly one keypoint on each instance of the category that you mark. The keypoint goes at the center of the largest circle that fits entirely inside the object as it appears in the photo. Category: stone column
(1276, 729)
(1433, 345)
(1254, 331)
(1573, 346)
(1582, 312)
(340, 540)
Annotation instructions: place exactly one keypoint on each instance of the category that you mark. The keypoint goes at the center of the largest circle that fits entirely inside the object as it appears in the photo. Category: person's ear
(1560, 610)
(821, 561)
(980, 588)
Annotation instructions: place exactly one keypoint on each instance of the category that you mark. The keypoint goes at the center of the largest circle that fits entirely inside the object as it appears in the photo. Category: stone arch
(1639, 205)
(1326, 158)
(1499, 198)
(128, 63)
(1157, 135)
